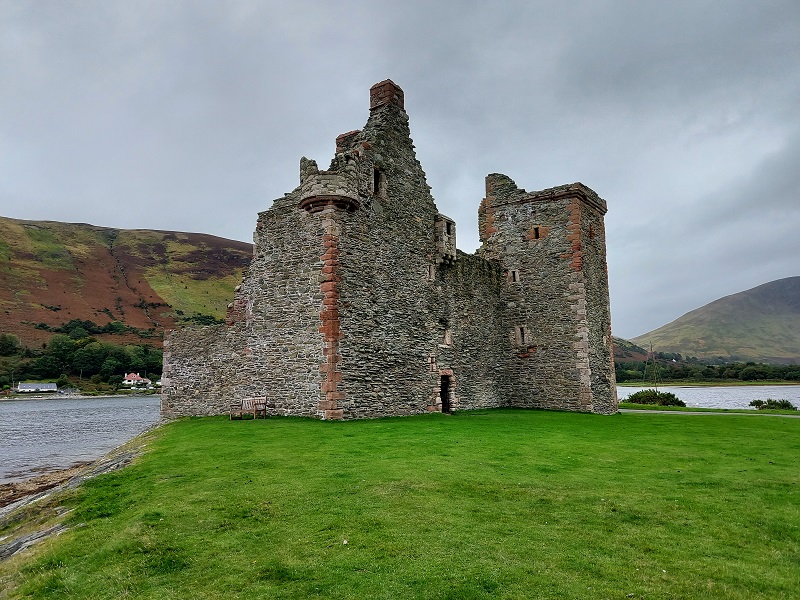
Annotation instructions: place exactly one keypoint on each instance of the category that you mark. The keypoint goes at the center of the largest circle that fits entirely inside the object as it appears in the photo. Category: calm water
(724, 397)
(55, 433)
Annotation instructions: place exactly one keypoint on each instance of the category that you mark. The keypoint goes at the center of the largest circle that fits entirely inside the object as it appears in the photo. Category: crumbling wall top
(501, 189)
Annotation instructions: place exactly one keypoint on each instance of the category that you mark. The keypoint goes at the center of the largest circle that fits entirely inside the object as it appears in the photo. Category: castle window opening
(536, 233)
(513, 275)
(431, 272)
(448, 226)
(522, 335)
(378, 182)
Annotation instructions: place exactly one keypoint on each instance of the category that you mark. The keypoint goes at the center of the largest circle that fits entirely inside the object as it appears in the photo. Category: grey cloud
(193, 116)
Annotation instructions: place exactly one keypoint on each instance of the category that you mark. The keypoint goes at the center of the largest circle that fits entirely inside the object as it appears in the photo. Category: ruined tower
(357, 303)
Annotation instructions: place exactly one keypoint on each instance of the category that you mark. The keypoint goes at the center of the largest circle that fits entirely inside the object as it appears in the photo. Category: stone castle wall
(358, 305)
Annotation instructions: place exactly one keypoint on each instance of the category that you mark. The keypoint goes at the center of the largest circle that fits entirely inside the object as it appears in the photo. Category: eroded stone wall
(548, 244)
(358, 305)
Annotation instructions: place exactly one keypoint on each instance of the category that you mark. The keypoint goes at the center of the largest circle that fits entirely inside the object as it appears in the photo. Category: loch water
(723, 396)
(43, 434)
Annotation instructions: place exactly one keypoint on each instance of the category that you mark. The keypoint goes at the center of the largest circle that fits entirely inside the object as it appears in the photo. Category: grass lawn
(489, 504)
(746, 411)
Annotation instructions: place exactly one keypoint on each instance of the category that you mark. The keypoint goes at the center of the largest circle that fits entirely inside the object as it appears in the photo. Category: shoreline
(14, 491)
(72, 397)
(32, 507)
(14, 494)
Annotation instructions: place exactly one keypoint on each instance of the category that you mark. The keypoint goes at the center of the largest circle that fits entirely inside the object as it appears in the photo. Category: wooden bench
(249, 406)
(260, 406)
(245, 406)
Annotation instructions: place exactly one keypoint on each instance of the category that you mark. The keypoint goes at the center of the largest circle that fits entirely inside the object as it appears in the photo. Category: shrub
(770, 404)
(655, 397)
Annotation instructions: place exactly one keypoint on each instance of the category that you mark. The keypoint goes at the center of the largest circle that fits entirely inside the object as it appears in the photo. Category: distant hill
(761, 324)
(52, 273)
(626, 350)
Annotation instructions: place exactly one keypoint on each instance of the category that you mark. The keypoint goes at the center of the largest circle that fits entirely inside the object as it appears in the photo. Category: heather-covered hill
(52, 273)
(761, 324)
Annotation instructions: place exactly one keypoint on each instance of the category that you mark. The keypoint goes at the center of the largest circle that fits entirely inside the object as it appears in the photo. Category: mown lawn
(490, 504)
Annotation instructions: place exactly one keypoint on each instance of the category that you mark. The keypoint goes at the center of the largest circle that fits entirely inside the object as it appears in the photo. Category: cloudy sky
(193, 115)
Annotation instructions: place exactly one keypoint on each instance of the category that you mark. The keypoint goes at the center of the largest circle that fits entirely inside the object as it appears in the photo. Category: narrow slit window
(536, 234)
(448, 226)
(522, 335)
(514, 276)
(377, 180)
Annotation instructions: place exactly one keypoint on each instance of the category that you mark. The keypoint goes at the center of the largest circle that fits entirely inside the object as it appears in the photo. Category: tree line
(696, 371)
(78, 356)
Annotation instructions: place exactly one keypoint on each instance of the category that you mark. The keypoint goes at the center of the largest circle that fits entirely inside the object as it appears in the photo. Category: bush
(770, 404)
(655, 397)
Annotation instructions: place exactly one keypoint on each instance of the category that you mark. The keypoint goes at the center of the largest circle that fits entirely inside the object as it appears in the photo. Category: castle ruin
(357, 303)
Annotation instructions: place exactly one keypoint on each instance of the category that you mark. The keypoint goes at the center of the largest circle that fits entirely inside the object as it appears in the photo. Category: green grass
(194, 296)
(489, 504)
(747, 411)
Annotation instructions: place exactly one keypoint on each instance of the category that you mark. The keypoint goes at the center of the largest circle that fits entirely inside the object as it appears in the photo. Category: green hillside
(52, 273)
(761, 324)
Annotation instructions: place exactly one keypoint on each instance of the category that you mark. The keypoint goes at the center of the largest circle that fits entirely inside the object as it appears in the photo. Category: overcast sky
(193, 116)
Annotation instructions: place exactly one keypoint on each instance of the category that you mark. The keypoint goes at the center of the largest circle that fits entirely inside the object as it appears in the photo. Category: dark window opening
(376, 182)
(514, 276)
(536, 233)
(448, 226)
(444, 393)
(522, 337)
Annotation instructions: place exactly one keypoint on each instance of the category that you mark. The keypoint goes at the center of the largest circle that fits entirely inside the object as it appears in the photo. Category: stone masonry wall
(272, 344)
(537, 239)
(386, 248)
(357, 303)
(468, 302)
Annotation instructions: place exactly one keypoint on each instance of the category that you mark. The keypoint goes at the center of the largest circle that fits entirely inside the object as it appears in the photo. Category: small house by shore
(135, 380)
(36, 387)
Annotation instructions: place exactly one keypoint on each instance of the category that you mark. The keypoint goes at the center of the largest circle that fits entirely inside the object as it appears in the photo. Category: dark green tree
(61, 348)
(9, 344)
(110, 366)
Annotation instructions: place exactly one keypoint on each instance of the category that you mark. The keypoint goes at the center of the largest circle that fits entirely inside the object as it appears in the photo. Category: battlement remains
(335, 188)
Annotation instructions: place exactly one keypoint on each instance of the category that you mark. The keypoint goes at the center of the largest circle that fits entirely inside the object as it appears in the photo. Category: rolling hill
(52, 273)
(761, 324)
